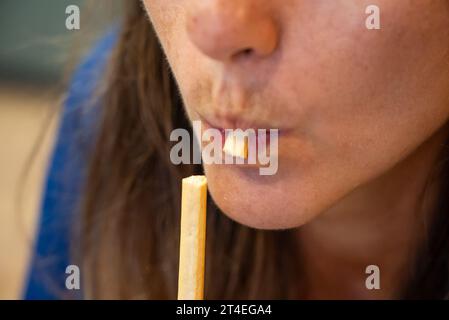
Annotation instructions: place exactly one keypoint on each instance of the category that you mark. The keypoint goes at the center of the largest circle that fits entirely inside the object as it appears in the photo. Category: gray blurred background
(35, 50)
(34, 42)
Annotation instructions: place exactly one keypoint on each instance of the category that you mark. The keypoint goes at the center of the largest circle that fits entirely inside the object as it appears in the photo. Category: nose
(227, 30)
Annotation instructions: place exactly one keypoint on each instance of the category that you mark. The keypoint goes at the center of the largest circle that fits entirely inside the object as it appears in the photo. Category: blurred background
(37, 52)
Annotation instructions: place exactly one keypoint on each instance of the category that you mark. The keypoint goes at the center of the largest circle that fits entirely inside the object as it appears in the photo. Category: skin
(361, 112)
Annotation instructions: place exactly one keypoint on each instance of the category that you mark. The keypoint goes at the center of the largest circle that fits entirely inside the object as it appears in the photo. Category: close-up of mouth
(225, 125)
(258, 137)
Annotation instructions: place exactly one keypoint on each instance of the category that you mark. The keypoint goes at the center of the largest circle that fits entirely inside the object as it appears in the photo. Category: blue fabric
(46, 276)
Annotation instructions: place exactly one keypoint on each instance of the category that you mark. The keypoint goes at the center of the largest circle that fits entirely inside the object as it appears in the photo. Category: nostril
(247, 52)
(243, 54)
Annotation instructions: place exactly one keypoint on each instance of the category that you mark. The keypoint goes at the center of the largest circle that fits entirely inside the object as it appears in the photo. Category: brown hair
(130, 230)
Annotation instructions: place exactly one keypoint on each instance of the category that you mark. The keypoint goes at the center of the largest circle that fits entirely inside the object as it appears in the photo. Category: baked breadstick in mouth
(192, 239)
(236, 145)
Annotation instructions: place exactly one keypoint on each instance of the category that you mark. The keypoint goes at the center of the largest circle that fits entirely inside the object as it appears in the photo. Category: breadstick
(193, 238)
(236, 145)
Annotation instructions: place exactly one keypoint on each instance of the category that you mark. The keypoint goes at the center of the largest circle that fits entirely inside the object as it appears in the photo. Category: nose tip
(229, 29)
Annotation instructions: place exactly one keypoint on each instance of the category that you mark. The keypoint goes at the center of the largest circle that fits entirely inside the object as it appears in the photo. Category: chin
(260, 202)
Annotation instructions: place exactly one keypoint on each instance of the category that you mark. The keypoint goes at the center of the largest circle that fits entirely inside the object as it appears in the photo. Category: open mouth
(259, 135)
(252, 145)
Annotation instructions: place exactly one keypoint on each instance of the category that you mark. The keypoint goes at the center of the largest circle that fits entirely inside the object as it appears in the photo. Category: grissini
(236, 145)
(193, 238)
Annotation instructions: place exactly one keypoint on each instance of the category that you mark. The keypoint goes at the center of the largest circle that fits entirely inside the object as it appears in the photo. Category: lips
(234, 123)
(227, 124)
(207, 125)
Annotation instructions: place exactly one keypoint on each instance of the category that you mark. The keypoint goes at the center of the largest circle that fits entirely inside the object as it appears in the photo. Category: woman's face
(350, 102)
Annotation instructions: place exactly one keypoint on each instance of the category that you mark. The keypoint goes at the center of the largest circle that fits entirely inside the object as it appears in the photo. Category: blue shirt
(47, 272)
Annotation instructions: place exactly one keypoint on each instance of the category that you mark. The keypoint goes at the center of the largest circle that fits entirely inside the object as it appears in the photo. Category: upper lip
(225, 122)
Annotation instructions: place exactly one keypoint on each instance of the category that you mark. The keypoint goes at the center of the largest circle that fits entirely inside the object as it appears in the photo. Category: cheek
(349, 86)
(168, 18)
